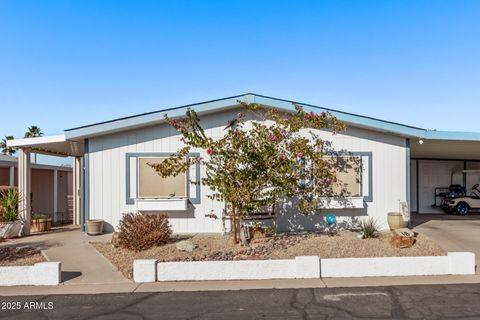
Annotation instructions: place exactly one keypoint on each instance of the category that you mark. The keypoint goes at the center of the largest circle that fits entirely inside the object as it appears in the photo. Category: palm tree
(5, 149)
(34, 131)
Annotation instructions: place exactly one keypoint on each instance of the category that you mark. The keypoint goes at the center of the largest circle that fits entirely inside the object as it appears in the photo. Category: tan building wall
(43, 189)
(4, 176)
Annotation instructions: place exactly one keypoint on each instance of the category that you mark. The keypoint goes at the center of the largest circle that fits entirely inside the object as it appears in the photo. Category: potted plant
(94, 227)
(10, 225)
(395, 220)
(40, 222)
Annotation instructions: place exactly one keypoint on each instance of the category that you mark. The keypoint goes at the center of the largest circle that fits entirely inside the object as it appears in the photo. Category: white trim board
(307, 267)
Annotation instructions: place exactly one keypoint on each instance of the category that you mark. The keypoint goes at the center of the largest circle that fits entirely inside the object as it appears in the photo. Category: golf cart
(457, 201)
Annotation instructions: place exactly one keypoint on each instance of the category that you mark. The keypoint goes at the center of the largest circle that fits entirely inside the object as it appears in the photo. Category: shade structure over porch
(54, 146)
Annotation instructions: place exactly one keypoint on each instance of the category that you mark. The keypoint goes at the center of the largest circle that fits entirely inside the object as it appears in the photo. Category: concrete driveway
(451, 232)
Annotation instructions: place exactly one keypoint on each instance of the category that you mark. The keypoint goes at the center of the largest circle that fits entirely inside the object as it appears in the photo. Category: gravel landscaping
(283, 246)
(23, 256)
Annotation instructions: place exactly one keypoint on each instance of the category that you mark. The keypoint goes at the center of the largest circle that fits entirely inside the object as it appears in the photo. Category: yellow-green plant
(9, 199)
(369, 228)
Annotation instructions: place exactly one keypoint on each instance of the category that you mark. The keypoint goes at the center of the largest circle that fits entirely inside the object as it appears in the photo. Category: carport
(437, 163)
(53, 146)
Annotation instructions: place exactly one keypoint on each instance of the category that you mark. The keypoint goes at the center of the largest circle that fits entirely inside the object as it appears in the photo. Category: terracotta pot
(38, 225)
(94, 227)
(49, 224)
(395, 220)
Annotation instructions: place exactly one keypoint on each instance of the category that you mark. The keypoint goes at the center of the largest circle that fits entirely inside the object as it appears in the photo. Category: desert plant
(36, 216)
(138, 231)
(9, 199)
(369, 228)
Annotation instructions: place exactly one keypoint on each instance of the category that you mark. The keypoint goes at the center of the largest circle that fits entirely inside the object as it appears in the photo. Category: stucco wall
(107, 175)
(42, 193)
(4, 176)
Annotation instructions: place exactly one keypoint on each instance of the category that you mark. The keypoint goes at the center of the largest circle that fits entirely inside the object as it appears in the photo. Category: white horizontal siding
(389, 178)
(108, 172)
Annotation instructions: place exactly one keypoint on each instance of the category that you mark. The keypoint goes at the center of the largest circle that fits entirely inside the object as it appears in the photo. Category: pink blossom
(210, 151)
(323, 114)
(273, 138)
(308, 117)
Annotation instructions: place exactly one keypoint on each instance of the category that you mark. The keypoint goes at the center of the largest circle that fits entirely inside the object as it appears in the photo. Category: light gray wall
(107, 175)
(432, 174)
(389, 179)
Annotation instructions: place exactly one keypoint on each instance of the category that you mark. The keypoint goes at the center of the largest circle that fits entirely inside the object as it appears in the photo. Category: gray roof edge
(151, 118)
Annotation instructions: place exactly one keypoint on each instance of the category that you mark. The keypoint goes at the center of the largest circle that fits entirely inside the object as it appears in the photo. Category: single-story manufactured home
(50, 191)
(399, 164)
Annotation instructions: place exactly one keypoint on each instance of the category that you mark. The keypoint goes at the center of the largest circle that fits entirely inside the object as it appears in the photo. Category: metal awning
(50, 145)
(445, 149)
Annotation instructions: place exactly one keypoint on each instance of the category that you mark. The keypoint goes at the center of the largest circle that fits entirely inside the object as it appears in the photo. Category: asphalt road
(402, 302)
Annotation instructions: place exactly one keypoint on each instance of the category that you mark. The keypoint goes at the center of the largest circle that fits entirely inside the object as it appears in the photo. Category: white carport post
(77, 178)
(55, 197)
(12, 176)
(24, 187)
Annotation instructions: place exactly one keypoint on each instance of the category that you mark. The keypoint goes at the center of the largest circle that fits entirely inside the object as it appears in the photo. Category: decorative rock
(402, 238)
(185, 245)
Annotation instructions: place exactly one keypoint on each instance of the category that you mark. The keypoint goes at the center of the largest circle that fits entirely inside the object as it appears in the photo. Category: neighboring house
(399, 163)
(51, 187)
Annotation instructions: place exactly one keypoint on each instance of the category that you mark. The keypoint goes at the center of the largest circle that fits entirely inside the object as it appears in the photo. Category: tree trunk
(234, 221)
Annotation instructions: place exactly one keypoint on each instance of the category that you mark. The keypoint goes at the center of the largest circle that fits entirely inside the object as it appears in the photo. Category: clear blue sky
(69, 63)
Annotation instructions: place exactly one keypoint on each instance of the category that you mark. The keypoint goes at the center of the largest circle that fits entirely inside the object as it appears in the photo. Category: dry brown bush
(140, 231)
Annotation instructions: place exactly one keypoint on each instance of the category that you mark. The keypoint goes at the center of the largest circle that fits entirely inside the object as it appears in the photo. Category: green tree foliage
(4, 148)
(33, 132)
(9, 199)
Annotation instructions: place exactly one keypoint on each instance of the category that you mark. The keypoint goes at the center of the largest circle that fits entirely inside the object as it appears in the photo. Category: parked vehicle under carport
(462, 204)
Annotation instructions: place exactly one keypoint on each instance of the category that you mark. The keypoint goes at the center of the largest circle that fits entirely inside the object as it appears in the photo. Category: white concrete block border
(306, 267)
(40, 274)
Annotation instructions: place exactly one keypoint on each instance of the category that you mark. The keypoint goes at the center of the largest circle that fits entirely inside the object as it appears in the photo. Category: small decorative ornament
(330, 219)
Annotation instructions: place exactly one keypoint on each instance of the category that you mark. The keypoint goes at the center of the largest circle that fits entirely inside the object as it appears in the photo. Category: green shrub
(9, 199)
(139, 231)
(36, 216)
(369, 228)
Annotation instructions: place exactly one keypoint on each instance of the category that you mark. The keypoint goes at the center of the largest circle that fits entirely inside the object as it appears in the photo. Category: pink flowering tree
(272, 155)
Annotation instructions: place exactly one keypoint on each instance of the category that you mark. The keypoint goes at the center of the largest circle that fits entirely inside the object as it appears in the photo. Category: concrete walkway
(81, 263)
(452, 233)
